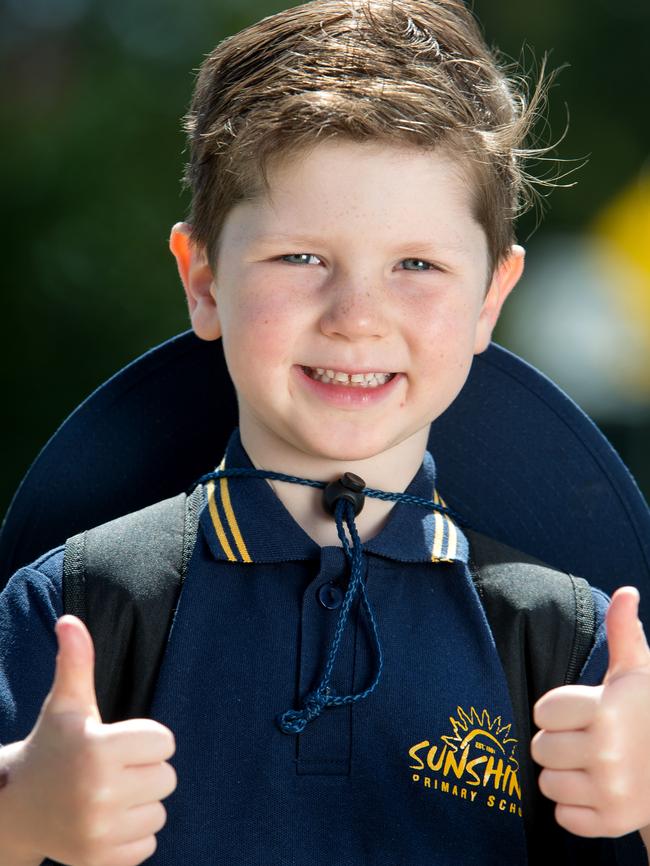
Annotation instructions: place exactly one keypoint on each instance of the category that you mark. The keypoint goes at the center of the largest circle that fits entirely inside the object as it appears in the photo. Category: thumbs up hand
(594, 742)
(90, 793)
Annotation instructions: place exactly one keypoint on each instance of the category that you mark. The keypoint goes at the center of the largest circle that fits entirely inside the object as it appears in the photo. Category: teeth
(353, 380)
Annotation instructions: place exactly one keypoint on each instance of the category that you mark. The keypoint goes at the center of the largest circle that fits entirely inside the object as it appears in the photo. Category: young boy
(355, 172)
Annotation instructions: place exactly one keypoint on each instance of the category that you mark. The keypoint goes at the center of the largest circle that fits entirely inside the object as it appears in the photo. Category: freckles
(255, 302)
(256, 321)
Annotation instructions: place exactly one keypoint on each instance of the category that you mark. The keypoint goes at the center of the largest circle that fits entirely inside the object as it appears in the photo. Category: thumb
(628, 648)
(73, 689)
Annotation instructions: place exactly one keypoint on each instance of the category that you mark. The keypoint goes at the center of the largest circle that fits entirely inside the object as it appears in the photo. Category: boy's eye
(417, 265)
(301, 259)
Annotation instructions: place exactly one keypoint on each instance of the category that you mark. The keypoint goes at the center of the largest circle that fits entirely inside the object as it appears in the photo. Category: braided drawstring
(243, 472)
(295, 721)
(313, 704)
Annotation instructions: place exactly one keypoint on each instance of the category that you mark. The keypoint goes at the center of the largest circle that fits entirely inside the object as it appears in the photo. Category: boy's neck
(392, 470)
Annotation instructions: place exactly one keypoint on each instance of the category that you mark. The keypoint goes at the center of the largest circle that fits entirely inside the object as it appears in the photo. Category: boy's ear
(504, 279)
(198, 281)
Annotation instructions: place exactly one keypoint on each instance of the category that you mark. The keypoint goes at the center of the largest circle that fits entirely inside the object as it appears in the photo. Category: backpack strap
(543, 622)
(123, 580)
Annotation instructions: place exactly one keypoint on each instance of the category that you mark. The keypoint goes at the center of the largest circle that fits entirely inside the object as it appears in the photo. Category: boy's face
(363, 259)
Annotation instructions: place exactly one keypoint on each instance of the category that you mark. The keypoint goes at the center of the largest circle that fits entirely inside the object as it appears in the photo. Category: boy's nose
(354, 312)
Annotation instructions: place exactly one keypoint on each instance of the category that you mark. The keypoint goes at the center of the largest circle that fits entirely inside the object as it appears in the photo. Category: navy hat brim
(515, 457)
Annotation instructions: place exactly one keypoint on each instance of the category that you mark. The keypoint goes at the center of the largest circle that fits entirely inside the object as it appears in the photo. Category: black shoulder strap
(123, 580)
(555, 609)
(543, 623)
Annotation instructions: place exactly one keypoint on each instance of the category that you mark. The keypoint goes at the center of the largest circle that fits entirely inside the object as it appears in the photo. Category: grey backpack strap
(123, 580)
(543, 623)
(553, 610)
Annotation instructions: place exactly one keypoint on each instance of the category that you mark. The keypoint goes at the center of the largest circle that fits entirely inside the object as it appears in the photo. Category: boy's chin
(313, 448)
(353, 455)
(370, 449)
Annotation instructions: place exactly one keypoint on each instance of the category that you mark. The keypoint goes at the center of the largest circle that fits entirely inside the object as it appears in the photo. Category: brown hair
(407, 72)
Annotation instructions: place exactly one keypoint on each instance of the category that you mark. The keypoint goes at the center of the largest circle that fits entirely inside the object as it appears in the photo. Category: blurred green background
(92, 95)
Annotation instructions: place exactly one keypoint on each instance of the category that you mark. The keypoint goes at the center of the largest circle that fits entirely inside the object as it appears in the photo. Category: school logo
(475, 762)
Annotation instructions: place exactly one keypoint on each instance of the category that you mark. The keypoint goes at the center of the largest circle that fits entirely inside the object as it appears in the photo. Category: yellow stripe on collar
(232, 520)
(439, 531)
(218, 526)
(441, 552)
(452, 539)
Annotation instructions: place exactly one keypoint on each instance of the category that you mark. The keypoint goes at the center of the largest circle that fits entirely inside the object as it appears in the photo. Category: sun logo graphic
(475, 762)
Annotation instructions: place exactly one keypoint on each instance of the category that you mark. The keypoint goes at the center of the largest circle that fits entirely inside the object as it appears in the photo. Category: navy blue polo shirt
(425, 770)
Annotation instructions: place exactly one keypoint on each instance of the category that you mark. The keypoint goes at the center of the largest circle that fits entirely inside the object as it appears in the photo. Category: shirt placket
(324, 747)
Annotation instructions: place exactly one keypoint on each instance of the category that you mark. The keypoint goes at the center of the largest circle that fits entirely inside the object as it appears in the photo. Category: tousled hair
(404, 72)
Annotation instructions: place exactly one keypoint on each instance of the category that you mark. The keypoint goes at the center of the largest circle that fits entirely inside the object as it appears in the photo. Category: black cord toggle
(343, 499)
(349, 487)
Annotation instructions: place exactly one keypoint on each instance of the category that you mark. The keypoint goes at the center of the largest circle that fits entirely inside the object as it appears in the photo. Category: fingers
(626, 641)
(563, 750)
(73, 688)
(580, 820)
(142, 785)
(567, 787)
(139, 822)
(593, 741)
(134, 853)
(138, 741)
(567, 708)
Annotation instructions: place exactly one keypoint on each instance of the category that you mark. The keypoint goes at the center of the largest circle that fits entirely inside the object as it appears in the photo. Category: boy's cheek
(257, 347)
(249, 311)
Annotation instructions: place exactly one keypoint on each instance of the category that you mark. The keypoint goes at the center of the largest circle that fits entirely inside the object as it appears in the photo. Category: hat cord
(295, 721)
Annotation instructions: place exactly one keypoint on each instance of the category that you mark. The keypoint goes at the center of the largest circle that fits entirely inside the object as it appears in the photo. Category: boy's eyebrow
(281, 237)
(441, 246)
(446, 245)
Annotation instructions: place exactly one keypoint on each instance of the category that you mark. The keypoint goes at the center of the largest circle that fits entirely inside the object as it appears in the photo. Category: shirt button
(330, 595)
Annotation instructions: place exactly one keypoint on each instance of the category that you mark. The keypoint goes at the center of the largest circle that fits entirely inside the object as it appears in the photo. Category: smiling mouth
(352, 380)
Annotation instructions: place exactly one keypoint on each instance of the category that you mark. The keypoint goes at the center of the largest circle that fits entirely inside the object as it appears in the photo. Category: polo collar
(244, 521)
